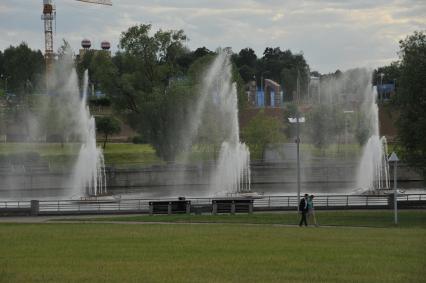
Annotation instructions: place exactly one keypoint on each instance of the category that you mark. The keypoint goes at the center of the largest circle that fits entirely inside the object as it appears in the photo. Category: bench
(232, 206)
(170, 207)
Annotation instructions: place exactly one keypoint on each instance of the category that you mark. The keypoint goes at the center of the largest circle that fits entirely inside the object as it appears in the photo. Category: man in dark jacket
(303, 209)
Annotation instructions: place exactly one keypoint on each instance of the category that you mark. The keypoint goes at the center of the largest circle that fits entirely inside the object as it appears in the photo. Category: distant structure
(105, 45)
(385, 91)
(49, 17)
(314, 90)
(86, 44)
(271, 95)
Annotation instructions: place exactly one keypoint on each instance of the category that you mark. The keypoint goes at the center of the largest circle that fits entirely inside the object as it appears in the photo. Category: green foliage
(139, 140)
(102, 101)
(260, 132)
(362, 130)
(22, 67)
(246, 63)
(280, 66)
(325, 125)
(411, 100)
(391, 74)
(147, 86)
(283, 67)
(107, 126)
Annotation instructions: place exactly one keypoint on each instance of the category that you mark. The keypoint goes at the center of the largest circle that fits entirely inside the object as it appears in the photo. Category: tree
(411, 100)
(318, 124)
(146, 85)
(391, 73)
(247, 57)
(246, 62)
(261, 131)
(23, 68)
(107, 126)
(283, 67)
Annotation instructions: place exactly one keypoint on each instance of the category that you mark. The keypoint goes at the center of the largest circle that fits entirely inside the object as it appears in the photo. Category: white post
(394, 159)
(395, 196)
(298, 137)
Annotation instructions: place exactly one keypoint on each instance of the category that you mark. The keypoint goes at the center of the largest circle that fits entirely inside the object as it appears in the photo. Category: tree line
(409, 75)
(154, 76)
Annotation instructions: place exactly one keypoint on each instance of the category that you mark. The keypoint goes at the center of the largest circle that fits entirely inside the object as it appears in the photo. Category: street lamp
(394, 159)
(297, 120)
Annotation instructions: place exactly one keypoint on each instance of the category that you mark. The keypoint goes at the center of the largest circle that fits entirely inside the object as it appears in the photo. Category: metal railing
(15, 204)
(265, 203)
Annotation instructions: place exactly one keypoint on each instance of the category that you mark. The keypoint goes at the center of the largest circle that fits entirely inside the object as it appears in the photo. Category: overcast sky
(331, 34)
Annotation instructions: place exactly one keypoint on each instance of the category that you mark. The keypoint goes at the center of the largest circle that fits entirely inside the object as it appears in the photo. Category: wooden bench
(170, 207)
(232, 206)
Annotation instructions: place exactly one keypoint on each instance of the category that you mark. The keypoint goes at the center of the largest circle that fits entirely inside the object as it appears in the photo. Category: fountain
(218, 97)
(373, 171)
(88, 176)
(345, 109)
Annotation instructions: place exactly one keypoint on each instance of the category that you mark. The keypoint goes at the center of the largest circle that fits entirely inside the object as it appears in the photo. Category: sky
(331, 34)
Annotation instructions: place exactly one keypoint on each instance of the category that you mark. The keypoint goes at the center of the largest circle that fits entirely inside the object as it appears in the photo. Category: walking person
(303, 209)
(311, 211)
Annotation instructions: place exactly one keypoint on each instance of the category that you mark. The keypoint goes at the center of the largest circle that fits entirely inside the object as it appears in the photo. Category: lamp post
(297, 120)
(394, 159)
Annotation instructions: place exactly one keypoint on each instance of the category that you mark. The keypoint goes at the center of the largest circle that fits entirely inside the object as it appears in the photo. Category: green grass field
(236, 251)
(128, 154)
(62, 155)
(360, 218)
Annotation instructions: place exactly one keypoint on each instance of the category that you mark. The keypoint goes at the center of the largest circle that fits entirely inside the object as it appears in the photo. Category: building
(314, 90)
(270, 94)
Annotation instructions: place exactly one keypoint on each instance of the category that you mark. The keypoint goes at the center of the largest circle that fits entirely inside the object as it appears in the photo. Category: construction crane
(49, 17)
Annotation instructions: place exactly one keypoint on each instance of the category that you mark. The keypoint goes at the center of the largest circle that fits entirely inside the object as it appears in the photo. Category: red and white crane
(49, 16)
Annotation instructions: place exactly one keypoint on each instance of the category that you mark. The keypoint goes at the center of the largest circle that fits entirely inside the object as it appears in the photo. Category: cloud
(332, 34)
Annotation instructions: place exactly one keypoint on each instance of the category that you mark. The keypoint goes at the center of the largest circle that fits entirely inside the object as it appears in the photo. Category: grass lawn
(209, 253)
(357, 218)
(126, 154)
(63, 155)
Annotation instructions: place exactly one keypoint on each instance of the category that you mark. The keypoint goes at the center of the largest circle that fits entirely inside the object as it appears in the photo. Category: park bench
(169, 207)
(232, 206)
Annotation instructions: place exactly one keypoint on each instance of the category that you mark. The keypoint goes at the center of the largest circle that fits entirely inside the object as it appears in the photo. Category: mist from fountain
(88, 176)
(373, 170)
(216, 110)
(346, 109)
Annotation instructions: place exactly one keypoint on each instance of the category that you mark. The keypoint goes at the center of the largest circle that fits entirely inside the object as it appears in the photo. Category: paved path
(73, 220)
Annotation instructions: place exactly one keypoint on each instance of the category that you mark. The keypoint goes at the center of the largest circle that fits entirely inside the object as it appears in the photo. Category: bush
(139, 140)
(102, 101)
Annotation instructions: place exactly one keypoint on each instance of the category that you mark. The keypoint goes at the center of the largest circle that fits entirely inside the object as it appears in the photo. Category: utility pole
(297, 120)
(298, 136)
(394, 159)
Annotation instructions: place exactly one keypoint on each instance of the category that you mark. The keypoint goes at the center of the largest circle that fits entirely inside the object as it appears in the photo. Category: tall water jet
(217, 107)
(89, 174)
(373, 171)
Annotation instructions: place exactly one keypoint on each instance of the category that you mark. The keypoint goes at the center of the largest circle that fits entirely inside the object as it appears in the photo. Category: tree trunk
(105, 141)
